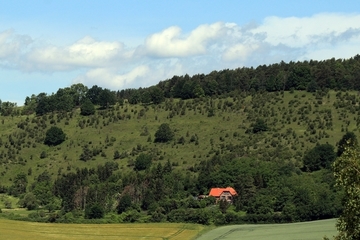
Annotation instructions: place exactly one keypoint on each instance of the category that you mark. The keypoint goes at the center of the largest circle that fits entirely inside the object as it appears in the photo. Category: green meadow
(292, 231)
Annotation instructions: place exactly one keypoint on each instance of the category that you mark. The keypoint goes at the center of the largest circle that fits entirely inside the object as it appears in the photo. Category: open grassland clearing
(304, 231)
(25, 230)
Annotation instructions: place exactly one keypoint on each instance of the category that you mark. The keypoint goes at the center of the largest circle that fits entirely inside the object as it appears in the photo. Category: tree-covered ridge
(335, 74)
(307, 75)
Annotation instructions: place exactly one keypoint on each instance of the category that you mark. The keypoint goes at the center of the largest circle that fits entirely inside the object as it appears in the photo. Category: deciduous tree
(143, 161)
(348, 140)
(87, 108)
(164, 133)
(124, 203)
(54, 136)
(321, 156)
(347, 174)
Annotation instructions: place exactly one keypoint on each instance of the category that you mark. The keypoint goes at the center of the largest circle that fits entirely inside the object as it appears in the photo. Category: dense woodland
(144, 155)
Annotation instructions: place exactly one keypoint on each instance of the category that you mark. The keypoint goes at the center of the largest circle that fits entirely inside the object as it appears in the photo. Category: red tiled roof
(216, 192)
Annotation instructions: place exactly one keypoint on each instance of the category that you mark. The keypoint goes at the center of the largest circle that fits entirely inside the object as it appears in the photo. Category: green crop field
(37, 231)
(304, 231)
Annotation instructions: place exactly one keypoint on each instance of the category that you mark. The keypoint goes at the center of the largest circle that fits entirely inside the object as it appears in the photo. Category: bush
(259, 126)
(116, 155)
(164, 133)
(321, 156)
(29, 201)
(143, 161)
(124, 203)
(54, 136)
(87, 108)
(8, 204)
(43, 155)
(94, 212)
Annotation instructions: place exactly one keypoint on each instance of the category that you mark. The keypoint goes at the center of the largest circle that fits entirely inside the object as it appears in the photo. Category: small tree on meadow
(116, 154)
(142, 162)
(87, 108)
(260, 126)
(164, 133)
(29, 201)
(54, 136)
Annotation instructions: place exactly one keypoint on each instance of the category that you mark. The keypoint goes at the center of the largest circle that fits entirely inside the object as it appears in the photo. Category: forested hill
(272, 133)
(308, 75)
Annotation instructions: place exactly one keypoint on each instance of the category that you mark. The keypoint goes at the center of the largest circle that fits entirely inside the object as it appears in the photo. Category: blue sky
(46, 45)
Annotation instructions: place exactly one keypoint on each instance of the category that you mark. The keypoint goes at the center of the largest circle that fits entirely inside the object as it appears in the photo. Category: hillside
(254, 141)
(297, 121)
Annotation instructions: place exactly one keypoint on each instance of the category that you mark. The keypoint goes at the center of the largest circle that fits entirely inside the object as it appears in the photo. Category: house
(226, 194)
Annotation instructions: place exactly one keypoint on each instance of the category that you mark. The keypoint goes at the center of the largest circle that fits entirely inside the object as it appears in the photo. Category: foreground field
(27, 230)
(304, 231)
(165, 231)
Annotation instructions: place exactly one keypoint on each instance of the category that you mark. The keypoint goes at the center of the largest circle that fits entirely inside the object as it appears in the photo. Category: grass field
(38, 231)
(172, 231)
(293, 231)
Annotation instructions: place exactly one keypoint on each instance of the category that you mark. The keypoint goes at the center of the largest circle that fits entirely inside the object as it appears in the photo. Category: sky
(46, 45)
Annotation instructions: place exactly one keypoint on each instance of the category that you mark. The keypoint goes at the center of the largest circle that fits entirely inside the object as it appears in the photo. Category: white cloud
(84, 53)
(174, 52)
(108, 77)
(300, 32)
(171, 43)
(340, 51)
(11, 46)
(239, 51)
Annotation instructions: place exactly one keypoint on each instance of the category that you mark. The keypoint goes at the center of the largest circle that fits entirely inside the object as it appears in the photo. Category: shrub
(94, 212)
(259, 126)
(116, 155)
(54, 136)
(164, 133)
(142, 162)
(29, 201)
(87, 108)
(124, 203)
(321, 156)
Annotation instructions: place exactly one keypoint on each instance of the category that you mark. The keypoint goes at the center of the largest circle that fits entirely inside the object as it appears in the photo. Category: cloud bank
(174, 52)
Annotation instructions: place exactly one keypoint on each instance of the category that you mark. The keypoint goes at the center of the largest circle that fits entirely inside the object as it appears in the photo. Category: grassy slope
(25, 230)
(304, 231)
(213, 132)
